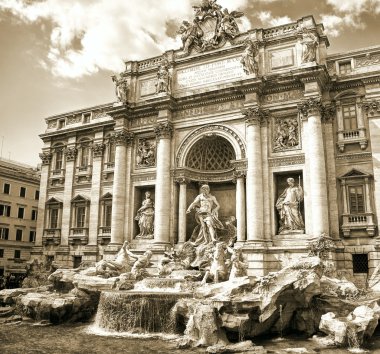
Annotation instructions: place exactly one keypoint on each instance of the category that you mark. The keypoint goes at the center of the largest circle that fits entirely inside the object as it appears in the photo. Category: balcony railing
(351, 134)
(78, 235)
(358, 222)
(51, 236)
(104, 235)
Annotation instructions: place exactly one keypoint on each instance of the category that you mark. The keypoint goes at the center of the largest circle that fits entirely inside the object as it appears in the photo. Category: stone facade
(298, 114)
(19, 194)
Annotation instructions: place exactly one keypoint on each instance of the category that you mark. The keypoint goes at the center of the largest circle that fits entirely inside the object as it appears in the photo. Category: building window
(111, 152)
(37, 195)
(106, 210)
(80, 212)
(84, 155)
(61, 124)
(34, 214)
(17, 254)
(356, 199)
(360, 263)
(77, 260)
(107, 215)
(22, 192)
(58, 159)
(53, 218)
(1, 253)
(6, 188)
(20, 213)
(18, 235)
(80, 216)
(32, 236)
(5, 210)
(4, 233)
(349, 117)
(86, 118)
(345, 68)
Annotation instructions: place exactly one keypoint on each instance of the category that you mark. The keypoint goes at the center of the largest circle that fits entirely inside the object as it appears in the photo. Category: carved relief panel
(286, 134)
(146, 153)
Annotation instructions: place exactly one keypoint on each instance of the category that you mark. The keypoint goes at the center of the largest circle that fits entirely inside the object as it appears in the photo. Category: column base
(162, 246)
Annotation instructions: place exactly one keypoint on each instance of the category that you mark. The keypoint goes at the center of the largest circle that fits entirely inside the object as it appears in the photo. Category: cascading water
(132, 311)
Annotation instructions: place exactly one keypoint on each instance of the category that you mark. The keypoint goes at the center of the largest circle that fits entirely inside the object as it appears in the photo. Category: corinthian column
(315, 154)
(182, 206)
(122, 139)
(162, 193)
(255, 117)
(240, 205)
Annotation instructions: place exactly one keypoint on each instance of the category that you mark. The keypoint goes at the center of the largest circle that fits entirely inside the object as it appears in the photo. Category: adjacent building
(286, 136)
(19, 195)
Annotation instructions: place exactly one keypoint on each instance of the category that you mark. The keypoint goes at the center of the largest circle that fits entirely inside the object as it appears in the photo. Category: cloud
(268, 19)
(90, 35)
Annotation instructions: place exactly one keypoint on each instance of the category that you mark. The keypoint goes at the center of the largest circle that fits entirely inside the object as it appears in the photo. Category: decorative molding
(163, 130)
(358, 156)
(212, 128)
(255, 116)
(144, 177)
(328, 113)
(46, 157)
(372, 107)
(182, 180)
(368, 60)
(52, 124)
(287, 160)
(200, 176)
(97, 149)
(70, 153)
(310, 106)
(239, 174)
(286, 134)
(73, 120)
(122, 137)
(146, 153)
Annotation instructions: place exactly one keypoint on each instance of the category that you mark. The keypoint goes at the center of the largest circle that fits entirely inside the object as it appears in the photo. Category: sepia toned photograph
(189, 176)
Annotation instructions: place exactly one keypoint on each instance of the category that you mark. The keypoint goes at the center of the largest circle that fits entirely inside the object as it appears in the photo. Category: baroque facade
(19, 194)
(286, 136)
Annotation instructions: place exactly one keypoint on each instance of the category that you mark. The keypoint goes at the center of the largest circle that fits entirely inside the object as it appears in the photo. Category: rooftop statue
(164, 78)
(248, 59)
(210, 28)
(309, 44)
(121, 88)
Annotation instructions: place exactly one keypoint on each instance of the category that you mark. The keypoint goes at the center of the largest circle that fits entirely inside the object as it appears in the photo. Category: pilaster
(182, 206)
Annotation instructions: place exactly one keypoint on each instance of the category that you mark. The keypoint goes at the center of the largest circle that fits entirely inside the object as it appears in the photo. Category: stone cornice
(255, 115)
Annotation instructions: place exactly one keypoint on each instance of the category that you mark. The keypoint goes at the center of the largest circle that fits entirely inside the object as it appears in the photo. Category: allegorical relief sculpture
(164, 78)
(309, 46)
(288, 206)
(206, 216)
(145, 218)
(121, 88)
(286, 134)
(249, 59)
(146, 153)
(210, 28)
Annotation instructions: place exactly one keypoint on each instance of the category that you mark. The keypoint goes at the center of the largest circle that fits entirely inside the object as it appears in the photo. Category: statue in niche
(206, 216)
(286, 134)
(288, 206)
(309, 46)
(145, 218)
(164, 78)
(121, 88)
(248, 59)
(228, 24)
(146, 153)
(121, 264)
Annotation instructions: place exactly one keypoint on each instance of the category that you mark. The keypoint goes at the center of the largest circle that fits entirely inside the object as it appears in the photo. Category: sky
(58, 55)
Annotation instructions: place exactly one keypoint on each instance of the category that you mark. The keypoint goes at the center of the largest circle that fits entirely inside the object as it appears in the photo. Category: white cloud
(88, 35)
(268, 19)
(349, 6)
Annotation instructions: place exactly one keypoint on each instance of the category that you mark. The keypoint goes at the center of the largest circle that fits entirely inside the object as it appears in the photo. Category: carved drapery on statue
(249, 58)
(121, 88)
(145, 218)
(146, 153)
(309, 46)
(164, 78)
(288, 206)
(210, 28)
(285, 134)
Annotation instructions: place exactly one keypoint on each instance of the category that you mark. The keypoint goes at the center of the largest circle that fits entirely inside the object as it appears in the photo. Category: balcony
(83, 174)
(104, 235)
(51, 236)
(78, 235)
(358, 223)
(356, 136)
(108, 169)
(57, 177)
(351, 134)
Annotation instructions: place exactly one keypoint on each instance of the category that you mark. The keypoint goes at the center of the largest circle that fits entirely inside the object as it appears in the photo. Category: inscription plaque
(147, 87)
(209, 73)
(282, 58)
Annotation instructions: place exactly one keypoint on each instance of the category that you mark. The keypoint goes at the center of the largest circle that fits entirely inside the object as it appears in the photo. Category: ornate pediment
(355, 173)
(79, 198)
(54, 200)
(211, 28)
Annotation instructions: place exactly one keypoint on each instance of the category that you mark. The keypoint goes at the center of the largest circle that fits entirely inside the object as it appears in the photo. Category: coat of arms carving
(210, 28)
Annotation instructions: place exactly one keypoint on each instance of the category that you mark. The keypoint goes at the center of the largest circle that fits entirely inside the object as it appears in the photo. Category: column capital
(328, 113)
(123, 137)
(97, 149)
(238, 174)
(255, 115)
(310, 106)
(181, 180)
(372, 107)
(46, 157)
(70, 153)
(163, 130)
